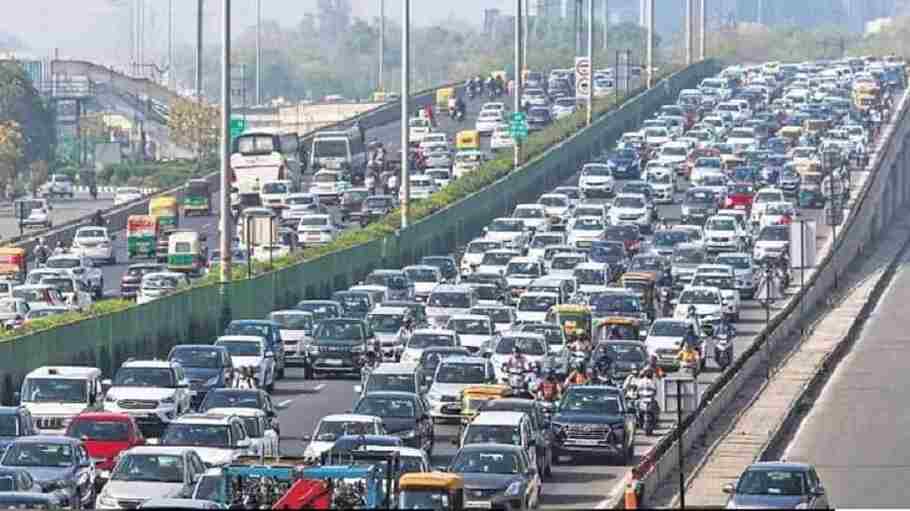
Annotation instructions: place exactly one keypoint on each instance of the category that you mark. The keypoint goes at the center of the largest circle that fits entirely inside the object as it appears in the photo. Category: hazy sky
(100, 29)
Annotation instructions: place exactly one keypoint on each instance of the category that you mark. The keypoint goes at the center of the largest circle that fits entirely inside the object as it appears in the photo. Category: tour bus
(264, 154)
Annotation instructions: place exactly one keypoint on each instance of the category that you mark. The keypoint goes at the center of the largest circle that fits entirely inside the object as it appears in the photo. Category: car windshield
(528, 269)
(624, 154)
(713, 180)
(461, 373)
(545, 240)
(779, 209)
(144, 377)
(659, 178)
(688, 256)
(91, 233)
(742, 189)
(588, 224)
(314, 221)
(422, 275)
(536, 303)
(566, 262)
(497, 258)
(699, 297)
(737, 262)
(497, 314)
(479, 462)
(159, 282)
(669, 150)
(529, 213)
(64, 285)
(206, 358)
(721, 224)
(301, 200)
(669, 328)
(590, 276)
(594, 401)
(670, 238)
(56, 390)
(485, 291)
(646, 263)
(505, 226)
(768, 197)
(242, 348)
(9, 425)
(425, 340)
(100, 430)
(198, 435)
(774, 234)
(320, 311)
(63, 263)
(275, 188)
(481, 247)
(552, 333)
(392, 382)
(772, 482)
(291, 321)
(386, 323)
(699, 197)
(629, 202)
(450, 300)
(597, 170)
(329, 431)
(607, 251)
(339, 331)
(713, 281)
(386, 407)
(492, 434)
(606, 303)
(159, 468)
(231, 399)
(352, 304)
(553, 202)
(29, 295)
(36, 454)
(468, 327)
(528, 346)
(626, 352)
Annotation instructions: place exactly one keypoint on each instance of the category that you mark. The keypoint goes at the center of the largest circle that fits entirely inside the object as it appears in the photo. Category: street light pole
(381, 42)
(199, 50)
(769, 275)
(171, 75)
(516, 97)
(258, 52)
(590, 94)
(606, 22)
(688, 32)
(679, 443)
(405, 185)
(650, 43)
(703, 22)
(225, 142)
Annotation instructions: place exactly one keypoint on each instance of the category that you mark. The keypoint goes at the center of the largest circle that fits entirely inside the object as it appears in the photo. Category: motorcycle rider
(460, 108)
(654, 367)
(98, 219)
(453, 101)
(518, 360)
(604, 365)
(500, 85)
(687, 355)
(549, 389)
(578, 375)
(42, 252)
(59, 248)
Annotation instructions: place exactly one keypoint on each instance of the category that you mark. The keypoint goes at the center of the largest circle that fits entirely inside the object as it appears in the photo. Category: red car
(105, 435)
(740, 197)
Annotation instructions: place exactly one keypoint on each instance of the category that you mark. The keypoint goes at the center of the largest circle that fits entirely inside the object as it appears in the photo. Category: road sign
(518, 128)
(238, 126)
(518, 117)
(582, 68)
(582, 87)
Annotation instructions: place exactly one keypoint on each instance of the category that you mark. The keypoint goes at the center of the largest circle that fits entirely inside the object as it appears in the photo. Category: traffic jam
(539, 345)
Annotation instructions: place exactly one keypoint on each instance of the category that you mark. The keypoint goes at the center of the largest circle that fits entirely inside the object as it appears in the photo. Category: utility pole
(516, 93)
(199, 51)
(524, 34)
(171, 73)
(761, 11)
(688, 32)
(405, 184)
(225, 189)
(606, 13)
(381, 42)
(258, 52)
(703, 38)
(591, 62)
(650, 43)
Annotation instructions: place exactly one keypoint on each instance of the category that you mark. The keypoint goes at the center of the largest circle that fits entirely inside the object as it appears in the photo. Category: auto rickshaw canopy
(629, 328)
(432, 480)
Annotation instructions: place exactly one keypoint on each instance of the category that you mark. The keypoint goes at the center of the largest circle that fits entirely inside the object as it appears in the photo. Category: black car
(15, 422)
(488, 292)
(542, 434)
(376, 207)
(496, 279)
(627, 357)
(593, 420)
(206, 367)
(431, 357)
(58, 464)
(497, 476)
(446, 264)
(339, 345)
(354, 304)
(132, 277)
(403, 414)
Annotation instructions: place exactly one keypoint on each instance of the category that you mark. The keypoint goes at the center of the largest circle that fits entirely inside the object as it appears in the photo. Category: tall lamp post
(405, 185)
(225, 220)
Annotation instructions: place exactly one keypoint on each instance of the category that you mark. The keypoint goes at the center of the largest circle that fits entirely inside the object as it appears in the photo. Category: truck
(343, 150)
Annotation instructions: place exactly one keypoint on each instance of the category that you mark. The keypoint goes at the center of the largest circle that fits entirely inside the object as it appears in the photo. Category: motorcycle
(518, 380)
(471, 92)
(453, 112)
(646, 408)
(723, 349)
(459, 116)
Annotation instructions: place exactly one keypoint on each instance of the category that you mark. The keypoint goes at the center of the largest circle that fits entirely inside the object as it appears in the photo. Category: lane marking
(285, 403)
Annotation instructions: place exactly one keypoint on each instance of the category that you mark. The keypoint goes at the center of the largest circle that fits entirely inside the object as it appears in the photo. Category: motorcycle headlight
(514, 489)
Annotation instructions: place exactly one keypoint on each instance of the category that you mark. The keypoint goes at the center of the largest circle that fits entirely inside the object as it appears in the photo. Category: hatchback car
(777, 485)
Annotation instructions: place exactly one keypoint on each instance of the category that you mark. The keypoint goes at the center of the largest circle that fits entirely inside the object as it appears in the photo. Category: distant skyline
(101, 29)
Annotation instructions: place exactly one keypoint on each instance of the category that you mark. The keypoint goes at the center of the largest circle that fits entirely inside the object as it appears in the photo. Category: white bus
(265, 154)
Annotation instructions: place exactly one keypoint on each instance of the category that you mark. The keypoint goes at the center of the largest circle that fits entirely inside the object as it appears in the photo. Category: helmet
(516, 349)
(692, 310)
(59, 244)
(647, 373)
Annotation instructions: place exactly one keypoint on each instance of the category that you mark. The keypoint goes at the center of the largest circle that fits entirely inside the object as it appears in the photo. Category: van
(447, 300)
(510, 428)
(55, 394)
(393, 377)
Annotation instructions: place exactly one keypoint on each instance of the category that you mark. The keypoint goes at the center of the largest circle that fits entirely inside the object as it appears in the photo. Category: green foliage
(21, 103)
(97, 309)
(161, 175)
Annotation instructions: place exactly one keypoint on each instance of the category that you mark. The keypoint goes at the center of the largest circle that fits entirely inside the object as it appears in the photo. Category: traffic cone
(631, 500)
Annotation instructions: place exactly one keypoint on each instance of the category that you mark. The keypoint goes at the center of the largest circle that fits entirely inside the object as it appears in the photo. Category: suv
(503, 427)
(251, 352)
(542, 436)
(207, 367)
(147, 472)
(57, 185)
(54, 395)
(218, 440)
(392, 327)
(154, 392)
(777, 484)
(268, 330)
(339, 344)
(81, 267)
(594, 419)
(392, 377)
(454, 374)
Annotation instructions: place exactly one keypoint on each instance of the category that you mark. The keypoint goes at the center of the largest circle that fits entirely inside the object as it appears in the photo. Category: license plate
(478, 504)
(586, 442)
(333, 362)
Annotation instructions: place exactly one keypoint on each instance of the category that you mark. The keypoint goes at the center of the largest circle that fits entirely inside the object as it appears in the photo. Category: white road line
(284, 403)
(319, 387)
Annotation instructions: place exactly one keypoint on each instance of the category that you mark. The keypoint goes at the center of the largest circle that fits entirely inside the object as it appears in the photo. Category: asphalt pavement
(858, 432)
(64, 210)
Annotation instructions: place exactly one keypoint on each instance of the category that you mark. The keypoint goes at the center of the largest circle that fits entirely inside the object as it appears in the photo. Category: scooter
(646, 408)
(518, 381)
(723, 349)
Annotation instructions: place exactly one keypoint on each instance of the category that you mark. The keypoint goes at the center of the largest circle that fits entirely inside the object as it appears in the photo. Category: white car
(534, 97)
(152, 391)
(533, 306)
(708, 303)
(591, 277)
(441, 176)
(126, 194)
(631, 208)
(534, 216)
(665, 339)
(772, 241)
(487, 121)
(533, 346)
(474, 251)
(520, 272)
(275, 193)
(157, 285)
(557, 205)
(564, 107)
(761, 200)
(38, 217)
(585, 230)
(266, 253)
(777, 213)
(316, 230)
(663, 182)
(542, 240)
(674, 155)
(331, 427)
(742, 138)
(422, 186)
(82, 268)
(723, 234)
(501, 139)
(259, 428)
(308, 202)
(563, 264)
(251, 352)
(467, 161)
(727, 286)
(494, 106)
(473, 329)
(418, 127)
(329, 185)
(496, 261)
(57, 185)
(743, 272)
(425, 278)
(596, 180)
(656, 136)
(218, 439)
(73, 290)
(510, 231)
(94, 243)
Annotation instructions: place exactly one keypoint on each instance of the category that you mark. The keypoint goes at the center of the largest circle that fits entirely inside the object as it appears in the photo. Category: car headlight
(514, 489)
(410, 433)
(108, 501)
(357, 349)
(213, 380)
(434, 396)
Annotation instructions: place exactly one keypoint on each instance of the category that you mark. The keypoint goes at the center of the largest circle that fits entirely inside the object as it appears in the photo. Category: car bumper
(445, 410)
(94, 253)
(569, 446)
(721, 246)
(335, 365)
(150, 422)
(597, 190)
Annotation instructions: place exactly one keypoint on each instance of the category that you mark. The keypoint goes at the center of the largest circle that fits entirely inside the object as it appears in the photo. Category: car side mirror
(441, 468)
(306, 438)
(358, 389)
(728, 488)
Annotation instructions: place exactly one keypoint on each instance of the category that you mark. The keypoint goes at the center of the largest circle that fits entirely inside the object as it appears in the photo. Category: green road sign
(518, 130)
(518, 117)
(238, 126)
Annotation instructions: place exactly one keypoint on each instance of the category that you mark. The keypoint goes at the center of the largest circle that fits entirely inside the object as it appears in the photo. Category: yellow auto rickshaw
(168, 213)
(644, 285)
(618, 328)
(791, 133)
(439, 491)
(575, 320)
(186, 251)
(12, 264)
(865, 102)
(467, 139)
(473, 397)
(729, 162)
(806, 166)
(443, 95)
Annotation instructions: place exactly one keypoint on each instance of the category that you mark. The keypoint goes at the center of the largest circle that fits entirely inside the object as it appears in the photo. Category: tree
(20, 102)
(11, 152)
(193, 124)
(39, 173)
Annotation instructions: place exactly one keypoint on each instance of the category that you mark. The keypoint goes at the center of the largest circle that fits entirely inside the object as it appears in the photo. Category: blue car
(15, 422)
(625, 164)
(206, 366)
(58, 464)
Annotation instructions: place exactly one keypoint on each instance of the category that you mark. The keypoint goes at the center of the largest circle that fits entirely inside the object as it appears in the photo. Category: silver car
(777, 485)
(150, 472)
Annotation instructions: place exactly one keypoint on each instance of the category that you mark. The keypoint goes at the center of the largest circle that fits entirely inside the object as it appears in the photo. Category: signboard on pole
(582, 68)
(582, 87)
(518, 126)
(238, 126)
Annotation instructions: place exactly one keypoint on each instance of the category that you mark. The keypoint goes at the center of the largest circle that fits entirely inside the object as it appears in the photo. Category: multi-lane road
(64, 210)
(858, 432)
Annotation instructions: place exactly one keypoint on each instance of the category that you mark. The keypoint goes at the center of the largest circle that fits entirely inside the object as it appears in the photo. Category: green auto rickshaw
(197, 198)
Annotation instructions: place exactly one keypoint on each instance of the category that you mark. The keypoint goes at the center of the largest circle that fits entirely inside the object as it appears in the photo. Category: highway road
(858, 432)
(65, 210)
(389, 135)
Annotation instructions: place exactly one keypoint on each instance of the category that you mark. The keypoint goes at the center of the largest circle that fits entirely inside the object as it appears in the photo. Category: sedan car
(403, 415)
(132, 277)
(777, 485)
(148, 472)
(497, 475)
(95, 243)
